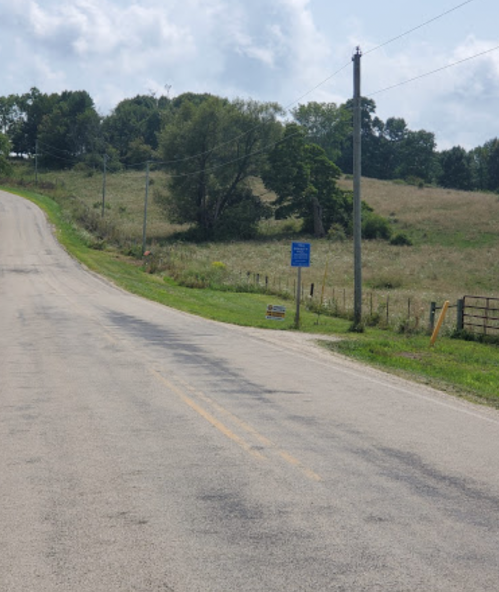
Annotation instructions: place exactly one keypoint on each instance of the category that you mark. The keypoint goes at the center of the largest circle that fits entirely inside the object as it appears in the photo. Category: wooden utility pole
(36, 163)
(104, 171)
(357, 201)
(144, 230)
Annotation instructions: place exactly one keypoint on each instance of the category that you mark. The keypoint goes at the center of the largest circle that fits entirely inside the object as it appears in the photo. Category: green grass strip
(467, 369)
(463, 368)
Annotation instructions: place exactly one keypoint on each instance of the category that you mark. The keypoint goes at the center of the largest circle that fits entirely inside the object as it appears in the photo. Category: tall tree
(214, 149)
(417, 156)
(71, 131)
(31, 108)
(4, 154)
(478, 159)
(491, 153)
(455, 169)
(327, 125)
(135, 122)
(394, 131)
(8, 113)
(371, 133)
(304, 180)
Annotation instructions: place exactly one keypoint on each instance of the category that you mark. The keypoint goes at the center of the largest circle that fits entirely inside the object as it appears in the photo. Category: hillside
(455, 248)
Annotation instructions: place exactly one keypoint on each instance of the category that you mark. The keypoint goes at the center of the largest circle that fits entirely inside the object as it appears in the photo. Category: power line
(320, 84)
(432, 20)
(433, 71)
(40, 143)
(245, 156)
(58, 157)
(270, 146)
(333, 75)
(259, 124)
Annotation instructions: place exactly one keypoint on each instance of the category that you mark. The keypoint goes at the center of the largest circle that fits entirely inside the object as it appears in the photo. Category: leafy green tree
(138, 152)
(195, 99)
(491, 153)
(213, 150)
(455, 169)
(4, 154)
(478, 160)
(417, 156)
(371, 137)
(394, 131)
(304, 180)
(327, 125)
(30, 110)
(71, 131)
(133, 122)
(8, 113)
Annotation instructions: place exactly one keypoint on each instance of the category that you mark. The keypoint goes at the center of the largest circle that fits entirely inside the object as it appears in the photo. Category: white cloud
(267, 50)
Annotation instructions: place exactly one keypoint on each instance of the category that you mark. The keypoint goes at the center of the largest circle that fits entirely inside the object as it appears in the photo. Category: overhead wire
(337, 72)
(41, 143)
(234, 160)
(234, 139)
(432, 20)
(333, 75)
(58, 157)
(473, 57)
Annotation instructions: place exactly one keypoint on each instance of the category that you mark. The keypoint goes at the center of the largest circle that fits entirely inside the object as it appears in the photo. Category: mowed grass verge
(462, 368)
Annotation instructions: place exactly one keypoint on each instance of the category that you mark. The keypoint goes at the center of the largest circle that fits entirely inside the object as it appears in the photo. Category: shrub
(401, 239)
(291, 226)
(375, 226)
(336, 233)
(218, 265)
(415, 181)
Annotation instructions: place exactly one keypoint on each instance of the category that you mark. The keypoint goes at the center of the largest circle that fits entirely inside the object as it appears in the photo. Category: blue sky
(269, 50)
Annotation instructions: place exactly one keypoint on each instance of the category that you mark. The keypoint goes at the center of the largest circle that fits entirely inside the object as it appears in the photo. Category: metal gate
(481, 315)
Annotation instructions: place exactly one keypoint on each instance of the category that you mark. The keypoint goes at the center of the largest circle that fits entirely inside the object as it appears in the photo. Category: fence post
(460, 314)
(433, 308)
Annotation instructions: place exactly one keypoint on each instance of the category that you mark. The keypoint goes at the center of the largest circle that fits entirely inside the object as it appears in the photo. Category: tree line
(212, 149)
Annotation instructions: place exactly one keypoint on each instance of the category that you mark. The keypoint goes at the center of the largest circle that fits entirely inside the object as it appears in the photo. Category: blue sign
(300, 254)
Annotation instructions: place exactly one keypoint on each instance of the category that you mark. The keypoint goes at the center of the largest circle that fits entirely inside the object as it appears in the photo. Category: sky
(289, 51)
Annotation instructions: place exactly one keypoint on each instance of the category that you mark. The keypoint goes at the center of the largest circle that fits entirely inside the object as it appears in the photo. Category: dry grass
(455, 236)
(125, 196)
(434, 215)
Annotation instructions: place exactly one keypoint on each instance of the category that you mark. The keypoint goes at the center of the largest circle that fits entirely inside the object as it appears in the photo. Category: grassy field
(455, 248)
(455, 251)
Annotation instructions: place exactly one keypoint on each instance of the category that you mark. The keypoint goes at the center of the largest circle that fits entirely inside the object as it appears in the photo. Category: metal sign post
(300, 257)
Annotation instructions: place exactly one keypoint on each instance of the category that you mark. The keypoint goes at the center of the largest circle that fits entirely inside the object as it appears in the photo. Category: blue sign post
(300, 254)
(300, 257)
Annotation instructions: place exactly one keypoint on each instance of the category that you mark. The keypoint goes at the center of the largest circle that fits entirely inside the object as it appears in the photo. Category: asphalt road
(143, 449)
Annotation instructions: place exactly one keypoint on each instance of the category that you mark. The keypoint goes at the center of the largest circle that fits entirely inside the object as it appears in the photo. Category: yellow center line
(223, 429)
(251, 430)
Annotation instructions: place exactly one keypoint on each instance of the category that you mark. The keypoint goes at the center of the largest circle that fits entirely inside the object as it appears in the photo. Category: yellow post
(439, 323)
